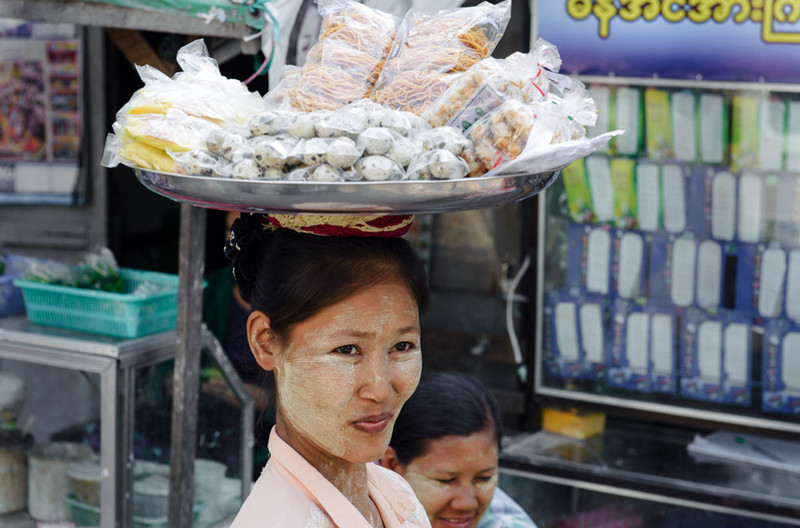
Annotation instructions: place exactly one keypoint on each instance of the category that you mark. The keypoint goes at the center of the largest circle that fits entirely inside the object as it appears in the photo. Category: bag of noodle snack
(430, 51)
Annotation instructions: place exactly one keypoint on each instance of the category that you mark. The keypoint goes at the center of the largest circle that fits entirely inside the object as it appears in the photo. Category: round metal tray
(390, 197)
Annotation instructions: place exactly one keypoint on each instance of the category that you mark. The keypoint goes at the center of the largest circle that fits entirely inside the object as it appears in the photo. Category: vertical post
(186, 378)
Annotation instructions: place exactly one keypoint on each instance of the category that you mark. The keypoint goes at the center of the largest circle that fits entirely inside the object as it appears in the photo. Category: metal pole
(186, 380)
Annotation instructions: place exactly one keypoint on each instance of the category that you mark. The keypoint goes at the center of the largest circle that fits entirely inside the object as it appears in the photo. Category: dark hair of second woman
(291, 276)
(444, 404)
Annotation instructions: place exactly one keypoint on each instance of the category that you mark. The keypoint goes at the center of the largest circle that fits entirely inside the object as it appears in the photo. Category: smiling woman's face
(343, 374)
(455, 478)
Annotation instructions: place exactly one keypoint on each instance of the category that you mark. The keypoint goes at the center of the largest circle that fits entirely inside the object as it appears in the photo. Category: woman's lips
(455, 522)
(373, 424)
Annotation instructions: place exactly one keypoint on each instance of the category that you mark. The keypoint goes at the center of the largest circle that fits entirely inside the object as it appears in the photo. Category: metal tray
(390, 197)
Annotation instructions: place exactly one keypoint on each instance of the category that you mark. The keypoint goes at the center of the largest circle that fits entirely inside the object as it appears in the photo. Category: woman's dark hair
(444, 404)
(291, 276)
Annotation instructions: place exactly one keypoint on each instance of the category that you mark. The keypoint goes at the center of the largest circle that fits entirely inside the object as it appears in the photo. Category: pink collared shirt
(291, 493)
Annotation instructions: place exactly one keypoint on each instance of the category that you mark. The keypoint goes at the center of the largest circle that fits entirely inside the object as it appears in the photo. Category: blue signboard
(712, 40)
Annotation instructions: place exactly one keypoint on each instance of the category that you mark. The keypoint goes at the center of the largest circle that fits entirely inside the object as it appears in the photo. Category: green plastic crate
(125, 315)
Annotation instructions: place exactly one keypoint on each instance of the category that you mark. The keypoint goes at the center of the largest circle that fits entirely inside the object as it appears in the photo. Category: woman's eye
(346, 350)
(404, 346)
(445, 481)
(484, 479)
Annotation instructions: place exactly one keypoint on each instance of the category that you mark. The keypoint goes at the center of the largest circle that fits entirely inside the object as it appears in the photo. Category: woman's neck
(348, 477)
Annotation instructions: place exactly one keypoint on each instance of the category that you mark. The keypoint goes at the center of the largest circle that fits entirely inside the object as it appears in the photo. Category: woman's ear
(389, 461)
(262, 339)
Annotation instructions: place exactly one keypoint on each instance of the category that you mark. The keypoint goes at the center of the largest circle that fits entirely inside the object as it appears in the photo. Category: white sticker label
(598, 261)
(674, 198)
(683, 265)
(591, 318)
(598, 172)
(647, 196)
(773, 273)
(723, 206)
(683, 132)
(790, 363)
(751, 203)
(661, 348)
(628, 110)
(711, 126)
(793, 286)
(770, 139)
(566, 331)
(736, 352)
(636, 341)
(709, 274)
(631, 262)
(709, 351)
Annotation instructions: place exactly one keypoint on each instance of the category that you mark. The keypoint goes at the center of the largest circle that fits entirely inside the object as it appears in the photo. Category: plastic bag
(438, 164)
(430, 50)
(490, 82)
(346, 61)
(177, 113)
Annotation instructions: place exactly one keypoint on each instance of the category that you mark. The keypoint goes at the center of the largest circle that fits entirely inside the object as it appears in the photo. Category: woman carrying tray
(336, 307)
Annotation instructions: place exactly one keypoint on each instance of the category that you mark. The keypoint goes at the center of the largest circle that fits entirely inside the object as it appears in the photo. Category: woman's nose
(376, 380)
(464, 499)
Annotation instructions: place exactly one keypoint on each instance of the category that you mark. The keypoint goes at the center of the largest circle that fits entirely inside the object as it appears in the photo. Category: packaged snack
(376, 140)
(438, 164)
(273, 151)
(342, 152)
(502, 134)
(198, 162)
(177, 113)
(270, 122)
(225, 142)
(347, 59)
(430, 50)
(491, 81)
(447, 138)
(378, 168)
(325, 172)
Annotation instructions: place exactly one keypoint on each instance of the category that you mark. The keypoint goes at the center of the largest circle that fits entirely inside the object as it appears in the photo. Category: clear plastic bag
(430, 50)
(178, 112)
(346, 61)
(490, 82)
(437, 164)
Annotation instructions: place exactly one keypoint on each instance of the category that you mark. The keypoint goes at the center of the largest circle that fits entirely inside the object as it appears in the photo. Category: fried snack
(345, 63)
(430, 50)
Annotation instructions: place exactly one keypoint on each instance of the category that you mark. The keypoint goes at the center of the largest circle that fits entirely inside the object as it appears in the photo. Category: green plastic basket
(125, 315)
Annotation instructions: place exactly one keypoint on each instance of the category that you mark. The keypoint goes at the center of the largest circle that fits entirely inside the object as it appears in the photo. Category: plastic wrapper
(502, 134)
(342, 152)
(447, 138)
(280, 94)
(198, 162)
(270, 122)
(438, 164)
(198, 89)
(178, 112)
(274, 152)
(345, 63)
(490, 82)
(376, 140)
(346, 122)
(430, 50)
(226, 142)
(325, 172)
(378, 168)
(404, 150)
